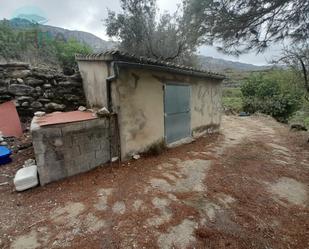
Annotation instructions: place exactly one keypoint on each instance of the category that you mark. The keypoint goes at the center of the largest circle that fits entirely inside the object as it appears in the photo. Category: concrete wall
(94, 74)
(68, 149)
(138, 99)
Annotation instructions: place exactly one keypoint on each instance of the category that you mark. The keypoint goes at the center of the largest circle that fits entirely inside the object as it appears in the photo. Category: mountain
(96, 43)
(221, 65)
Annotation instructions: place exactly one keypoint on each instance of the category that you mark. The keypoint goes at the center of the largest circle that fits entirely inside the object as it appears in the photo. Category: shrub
(270, 95)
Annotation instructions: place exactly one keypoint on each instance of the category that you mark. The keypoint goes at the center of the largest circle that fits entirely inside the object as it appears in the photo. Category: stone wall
(63, 150)
(39, 89)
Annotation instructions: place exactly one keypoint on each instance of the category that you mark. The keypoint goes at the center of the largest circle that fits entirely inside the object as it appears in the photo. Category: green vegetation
(232, 99)
(66, 51)
(31, 43)
(301, 116)
(276, 93)
(279, 93)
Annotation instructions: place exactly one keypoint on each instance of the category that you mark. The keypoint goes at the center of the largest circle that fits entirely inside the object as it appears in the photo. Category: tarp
(9, 120)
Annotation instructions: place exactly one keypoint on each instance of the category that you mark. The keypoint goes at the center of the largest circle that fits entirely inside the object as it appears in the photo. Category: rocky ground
(246, 187)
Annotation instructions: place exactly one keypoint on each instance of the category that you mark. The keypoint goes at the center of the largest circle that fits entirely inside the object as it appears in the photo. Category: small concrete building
(155, 102)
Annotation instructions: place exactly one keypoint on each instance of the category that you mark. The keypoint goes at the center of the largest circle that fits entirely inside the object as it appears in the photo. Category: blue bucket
(5, 155)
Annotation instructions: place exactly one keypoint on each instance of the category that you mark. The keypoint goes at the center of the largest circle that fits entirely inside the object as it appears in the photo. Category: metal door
(176, 112)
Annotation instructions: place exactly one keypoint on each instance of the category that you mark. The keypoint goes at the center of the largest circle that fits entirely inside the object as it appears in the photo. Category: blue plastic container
(5, 155)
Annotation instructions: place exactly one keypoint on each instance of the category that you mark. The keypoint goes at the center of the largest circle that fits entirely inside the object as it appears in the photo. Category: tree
(143, 33)
(297, 58)
(243, 25)
(66, 51)
(271, 93)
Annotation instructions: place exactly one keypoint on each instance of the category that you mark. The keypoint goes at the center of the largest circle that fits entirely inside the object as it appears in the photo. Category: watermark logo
(27, 21)
(32, 14)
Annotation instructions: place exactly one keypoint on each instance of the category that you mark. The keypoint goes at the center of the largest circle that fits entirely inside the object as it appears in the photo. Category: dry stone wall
(39, 89)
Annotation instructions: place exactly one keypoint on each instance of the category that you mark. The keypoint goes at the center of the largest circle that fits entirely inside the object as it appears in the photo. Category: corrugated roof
(116, 55)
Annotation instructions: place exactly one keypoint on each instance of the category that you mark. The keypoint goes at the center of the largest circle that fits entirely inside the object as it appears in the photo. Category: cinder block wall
(64, 150)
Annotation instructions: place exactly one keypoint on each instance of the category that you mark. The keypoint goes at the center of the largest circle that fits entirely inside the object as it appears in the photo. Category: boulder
(36, 104)
(20, 90)
(34, 82)
(298, 127)
(25, 104)
(3, 90)
(55, 106)
(19, 80)
(20, 73)
(24, 98)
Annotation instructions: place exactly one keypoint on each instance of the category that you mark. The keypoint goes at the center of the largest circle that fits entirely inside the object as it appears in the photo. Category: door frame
(164, 110)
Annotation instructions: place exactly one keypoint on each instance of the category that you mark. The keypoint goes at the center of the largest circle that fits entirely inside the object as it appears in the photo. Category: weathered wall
(138, 99)
(94, 74)
(206, 108)
(68, 149)
(38, 89)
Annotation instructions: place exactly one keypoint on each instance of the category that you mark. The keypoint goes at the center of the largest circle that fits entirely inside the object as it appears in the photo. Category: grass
(301, 116)
(232, 99)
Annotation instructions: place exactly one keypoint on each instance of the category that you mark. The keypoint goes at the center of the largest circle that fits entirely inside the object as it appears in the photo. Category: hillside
(96, 43)
(221, 65)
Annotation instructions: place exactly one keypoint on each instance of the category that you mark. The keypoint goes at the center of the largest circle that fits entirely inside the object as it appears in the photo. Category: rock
(29, 162)
(48, 94)
(3, 143)
(102, 112)
(24, 146)
(65, 83)
(55, 106)
(36, 104)
(136, 157)
(82, 108)
(39, 114)
(24, 98)
(71, 97)
(20, 73)
(20, 81)
(25, 104)
(114, 159)
(44, 100)
(20, 90)
(34, 82)
(38, 89)
(47, 86)
(298, 127)
(3, 90)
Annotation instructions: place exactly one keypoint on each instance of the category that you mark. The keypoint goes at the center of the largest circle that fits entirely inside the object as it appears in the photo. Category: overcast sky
(87, 15)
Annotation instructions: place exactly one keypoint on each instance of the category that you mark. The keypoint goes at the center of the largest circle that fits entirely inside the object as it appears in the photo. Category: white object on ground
(26, 178)
(114, 159)
(29, 162)
(3, 143)
(136, 157)
(103, 112)
(82, 108)
(39, 114)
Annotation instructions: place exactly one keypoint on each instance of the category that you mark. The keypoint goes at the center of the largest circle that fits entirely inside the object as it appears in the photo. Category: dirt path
(244, 188)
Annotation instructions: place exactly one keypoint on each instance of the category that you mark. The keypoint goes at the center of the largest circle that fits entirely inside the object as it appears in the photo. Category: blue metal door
(176, 112)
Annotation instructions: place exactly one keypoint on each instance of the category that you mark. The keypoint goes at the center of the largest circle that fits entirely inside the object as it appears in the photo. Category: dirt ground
(246, 187)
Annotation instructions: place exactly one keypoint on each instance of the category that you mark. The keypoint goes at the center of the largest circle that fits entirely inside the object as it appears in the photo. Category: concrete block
(73, 128)
(69, 149)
